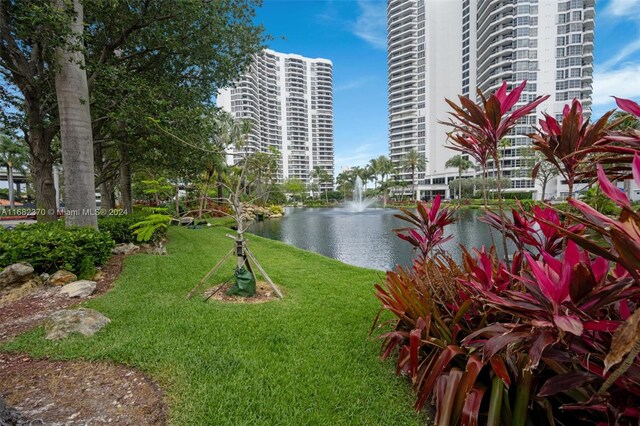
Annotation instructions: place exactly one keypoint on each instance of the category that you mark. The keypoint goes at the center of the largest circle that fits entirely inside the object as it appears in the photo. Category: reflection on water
(364, 239)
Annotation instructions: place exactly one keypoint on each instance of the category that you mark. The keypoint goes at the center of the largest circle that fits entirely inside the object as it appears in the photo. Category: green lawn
(302, 360)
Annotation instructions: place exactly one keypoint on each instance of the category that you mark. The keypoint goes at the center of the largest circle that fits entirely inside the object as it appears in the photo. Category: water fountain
(360, 202)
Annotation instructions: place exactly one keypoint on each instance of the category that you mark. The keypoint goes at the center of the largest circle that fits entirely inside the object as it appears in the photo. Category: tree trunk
(627, 188)
(75, 126)
(204, 196)
(459, 184)
(503, 227)
(125, 179)
(41, 163)
(107, 200)
(12, 203)
(219, 188)
(177, 197)
(413, 183)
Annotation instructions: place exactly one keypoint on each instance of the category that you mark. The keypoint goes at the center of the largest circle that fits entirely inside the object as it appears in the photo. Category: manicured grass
(302, 360)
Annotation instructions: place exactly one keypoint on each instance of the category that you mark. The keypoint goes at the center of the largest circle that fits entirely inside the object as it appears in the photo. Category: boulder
(125, 248)
(16, 281)
(62, 277)
(157, 249)
(16, 274)
(82, 288)
(84, 321)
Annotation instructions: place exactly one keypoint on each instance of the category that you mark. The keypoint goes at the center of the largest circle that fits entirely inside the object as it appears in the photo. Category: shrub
(275, 209)
(517, 195)
(119, 227)
(49, 247)
(151, 228)
(550, 336)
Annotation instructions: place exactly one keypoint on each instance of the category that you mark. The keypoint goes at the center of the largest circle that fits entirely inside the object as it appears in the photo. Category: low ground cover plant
(550, 335)
(49, 247)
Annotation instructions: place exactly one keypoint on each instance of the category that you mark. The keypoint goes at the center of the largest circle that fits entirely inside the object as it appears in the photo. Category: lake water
(364, 239)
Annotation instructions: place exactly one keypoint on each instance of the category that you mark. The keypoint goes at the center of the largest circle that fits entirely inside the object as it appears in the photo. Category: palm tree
(366, 174)
(374, 168)
(345, 182)
(13, 155)
(413, 161)
(462, 164)
(72, 93)
(323, 177)
(385, 166)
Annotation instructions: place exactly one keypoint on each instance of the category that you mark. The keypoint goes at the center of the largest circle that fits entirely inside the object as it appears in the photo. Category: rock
(82, 288)
(16, 274)
(125, 248)
(186, 221)
(159, 249)
(45, 277)
(84, 321)
(9, 416)
(62, 277)
(14, 293)
(17, 281)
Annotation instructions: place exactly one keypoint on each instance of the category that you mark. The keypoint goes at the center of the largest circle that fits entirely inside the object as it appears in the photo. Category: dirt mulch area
(78, 393)
(264, 293)
(30, 311)
(40, 391)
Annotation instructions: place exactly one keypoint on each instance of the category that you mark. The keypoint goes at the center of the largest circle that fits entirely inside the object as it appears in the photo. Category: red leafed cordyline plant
(566, 144)
(478, 129)
(551, 338)
(618, 147)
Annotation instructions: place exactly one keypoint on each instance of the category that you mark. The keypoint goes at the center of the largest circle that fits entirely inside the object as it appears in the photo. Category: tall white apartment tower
(289, 101)
(549, 43)
(424, 39)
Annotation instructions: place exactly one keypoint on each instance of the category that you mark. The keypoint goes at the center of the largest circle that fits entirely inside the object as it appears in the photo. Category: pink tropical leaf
(612, 191)
(628, 105)
(569, 323)
(636, 169)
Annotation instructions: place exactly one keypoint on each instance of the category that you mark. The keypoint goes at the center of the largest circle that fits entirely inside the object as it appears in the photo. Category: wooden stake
(211, 272)
(262, 271)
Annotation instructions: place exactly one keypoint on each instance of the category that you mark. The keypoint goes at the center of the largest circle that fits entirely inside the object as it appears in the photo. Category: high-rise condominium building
(452, 47)
(289, 101)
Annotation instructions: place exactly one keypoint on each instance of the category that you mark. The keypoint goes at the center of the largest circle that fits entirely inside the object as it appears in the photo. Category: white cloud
(622, 82)
(622, 54)
(359, 156)
(354, 84)
(371, 25)
(625, 8)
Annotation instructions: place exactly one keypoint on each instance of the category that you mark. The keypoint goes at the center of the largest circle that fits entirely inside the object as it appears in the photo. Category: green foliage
(295, 187)
(517, 195)
(49, 247)
(151, 228)
(596, 199)
(119, 227)
(276, 209)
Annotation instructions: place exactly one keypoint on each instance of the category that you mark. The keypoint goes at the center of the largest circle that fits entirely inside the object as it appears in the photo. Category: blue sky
(352, 33)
